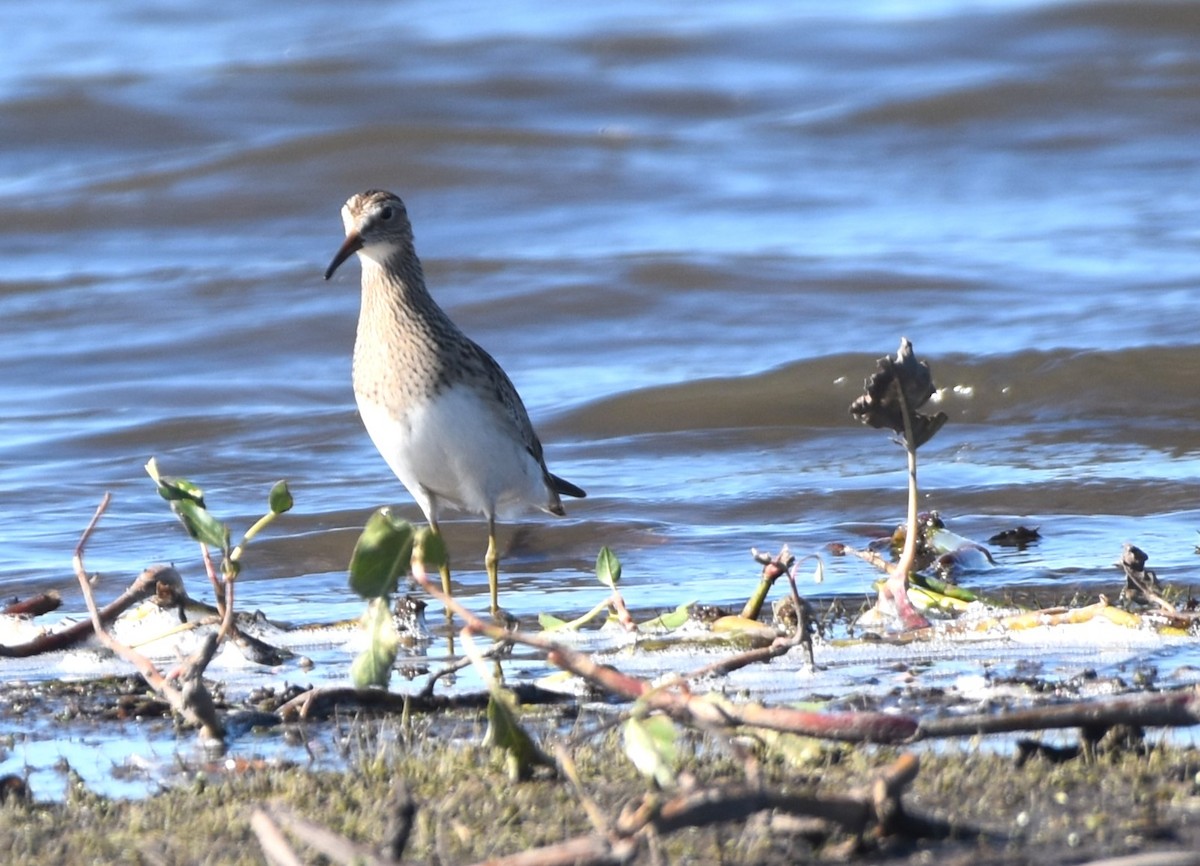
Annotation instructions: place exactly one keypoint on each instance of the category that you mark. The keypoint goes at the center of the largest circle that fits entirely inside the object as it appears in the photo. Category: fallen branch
(192, 702)
(323, 702)
(143, 587)
(36, 605)
(1181, 709)
(871, 809)
(270, 822)
(677, 701)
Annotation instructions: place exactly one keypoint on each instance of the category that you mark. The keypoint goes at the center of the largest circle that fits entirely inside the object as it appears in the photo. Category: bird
(441, 411)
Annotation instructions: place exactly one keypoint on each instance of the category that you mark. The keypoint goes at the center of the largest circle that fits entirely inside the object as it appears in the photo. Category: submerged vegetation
(668, 768)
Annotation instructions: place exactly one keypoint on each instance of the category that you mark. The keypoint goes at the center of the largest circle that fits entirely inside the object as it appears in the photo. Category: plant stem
(259, 525)
(897, 583)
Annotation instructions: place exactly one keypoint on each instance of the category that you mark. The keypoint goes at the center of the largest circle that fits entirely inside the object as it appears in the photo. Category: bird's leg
(492, 562)
(444, 568)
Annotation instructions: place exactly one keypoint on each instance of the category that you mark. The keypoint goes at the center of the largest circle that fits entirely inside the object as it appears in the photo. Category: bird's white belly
(454, 451)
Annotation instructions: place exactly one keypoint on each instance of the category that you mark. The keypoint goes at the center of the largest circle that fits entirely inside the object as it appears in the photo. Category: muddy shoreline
(1042, 801)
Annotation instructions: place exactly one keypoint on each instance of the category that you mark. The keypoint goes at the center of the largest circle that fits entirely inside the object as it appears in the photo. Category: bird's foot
(505, 619)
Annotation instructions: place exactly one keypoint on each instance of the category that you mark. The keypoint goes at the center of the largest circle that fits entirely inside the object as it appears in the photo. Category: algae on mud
(1122, 801)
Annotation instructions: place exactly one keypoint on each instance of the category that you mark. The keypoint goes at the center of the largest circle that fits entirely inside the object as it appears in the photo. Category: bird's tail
(565, 488)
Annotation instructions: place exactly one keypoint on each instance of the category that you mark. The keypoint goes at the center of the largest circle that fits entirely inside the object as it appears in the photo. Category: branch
(193, 702)
(675, 700)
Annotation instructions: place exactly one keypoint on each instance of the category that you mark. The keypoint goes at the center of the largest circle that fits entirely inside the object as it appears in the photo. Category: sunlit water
(686, 232)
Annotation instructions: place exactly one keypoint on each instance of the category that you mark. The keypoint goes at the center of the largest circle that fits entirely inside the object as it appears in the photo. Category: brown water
(686, 232)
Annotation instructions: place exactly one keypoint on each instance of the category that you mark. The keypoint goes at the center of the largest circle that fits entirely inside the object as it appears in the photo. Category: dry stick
(1156, 710)
(580, 851)
(333, 845)
(143, 587)
(877, 803)
(1161, 710)
(1151, 858)
(36, 605)
(778, 647)
(427, 690)
(270, 838)
(868, 556)
(566, 762)
(187, 703)
(854, 811)
(1166, 608)
(315, 700)
(681, 705)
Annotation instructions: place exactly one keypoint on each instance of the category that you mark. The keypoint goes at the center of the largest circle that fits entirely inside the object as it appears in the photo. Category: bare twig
(401, 811)
(193, 702)
(270, 838)
(1180, 709)
(580, 851)
(333, 845)
(36, 605)
(494, 650)
(677, 701)
(566, 764)
(143, 587)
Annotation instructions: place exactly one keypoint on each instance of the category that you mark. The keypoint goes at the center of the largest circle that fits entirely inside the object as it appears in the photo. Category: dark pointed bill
(352, 244)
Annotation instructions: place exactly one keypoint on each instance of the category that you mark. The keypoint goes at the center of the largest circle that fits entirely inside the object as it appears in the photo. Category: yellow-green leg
(444, 568)
(492, 561)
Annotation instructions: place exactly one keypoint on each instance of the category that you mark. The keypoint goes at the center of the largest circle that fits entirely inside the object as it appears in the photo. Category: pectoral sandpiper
(441, 411)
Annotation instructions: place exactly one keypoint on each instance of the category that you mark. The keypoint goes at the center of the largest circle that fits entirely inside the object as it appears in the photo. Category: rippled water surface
(685, 230)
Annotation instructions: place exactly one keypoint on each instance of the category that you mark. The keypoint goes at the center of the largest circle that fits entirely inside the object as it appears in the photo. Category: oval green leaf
(650, 744)
(373, 666)
(280, 498)
(430, 548)
(551, 623)
(174, 489)
(608, 567)
(383, 552)
(201, 525)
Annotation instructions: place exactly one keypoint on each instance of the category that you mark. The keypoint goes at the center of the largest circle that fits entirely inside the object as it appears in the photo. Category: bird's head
(376, 225)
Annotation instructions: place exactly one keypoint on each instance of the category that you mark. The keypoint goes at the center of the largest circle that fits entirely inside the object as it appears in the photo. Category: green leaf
(551, 623)
(430, 548)
(505, 731)
(373, 666)
(650, 744)
(744, 629)
(280, 498)
(174, 489)
(608, 568)
(383, 552)
(672, 620)
(201, 525)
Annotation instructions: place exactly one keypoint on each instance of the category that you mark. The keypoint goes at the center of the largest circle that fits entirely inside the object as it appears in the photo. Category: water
(686, 232)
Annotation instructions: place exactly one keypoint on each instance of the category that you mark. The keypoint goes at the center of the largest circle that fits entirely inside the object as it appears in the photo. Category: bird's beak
(350, 246)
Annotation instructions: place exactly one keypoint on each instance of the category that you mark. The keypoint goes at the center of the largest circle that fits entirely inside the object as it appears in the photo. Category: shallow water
(685, 232)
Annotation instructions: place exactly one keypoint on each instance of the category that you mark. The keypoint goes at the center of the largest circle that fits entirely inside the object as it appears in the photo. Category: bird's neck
(394, 287)
(399, 330)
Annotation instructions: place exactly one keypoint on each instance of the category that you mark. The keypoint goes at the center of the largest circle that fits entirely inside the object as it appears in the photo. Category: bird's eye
(386, 213)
